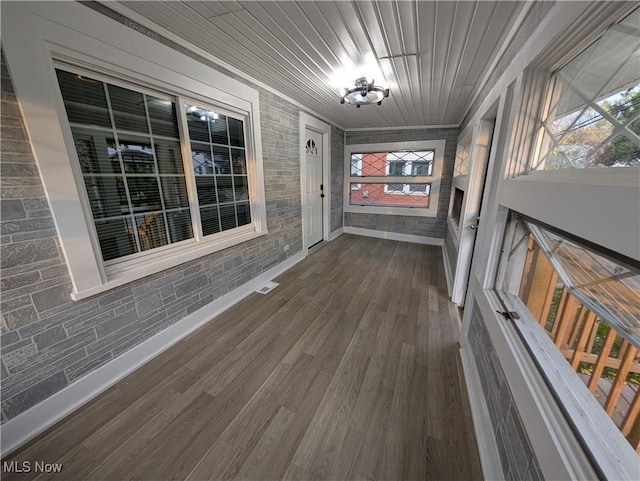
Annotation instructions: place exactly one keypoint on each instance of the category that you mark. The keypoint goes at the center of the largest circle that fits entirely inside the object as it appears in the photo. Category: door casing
(309, 122)
(481, 153)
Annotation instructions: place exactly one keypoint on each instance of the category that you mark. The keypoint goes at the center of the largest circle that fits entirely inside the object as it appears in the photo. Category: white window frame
(72, 33)
(599, 205)
(600, 434)
(576, 202)
(359, 167)
(437, 146)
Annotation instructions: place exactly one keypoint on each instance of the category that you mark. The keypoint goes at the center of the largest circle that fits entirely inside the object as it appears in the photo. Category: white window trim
(577, 201)
(554, 202)
(73, 33)
(553, 440)
(406, 188)
(584, 411)
(605, 213)
(437, 146)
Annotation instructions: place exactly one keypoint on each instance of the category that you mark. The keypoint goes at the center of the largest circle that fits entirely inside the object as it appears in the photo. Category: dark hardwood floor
(347, 371)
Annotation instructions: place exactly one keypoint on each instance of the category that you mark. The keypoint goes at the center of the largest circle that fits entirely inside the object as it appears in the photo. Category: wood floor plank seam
(348, 370)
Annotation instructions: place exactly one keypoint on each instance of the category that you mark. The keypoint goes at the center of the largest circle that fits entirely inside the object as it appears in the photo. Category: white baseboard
(336, 233)
(35, 420)
(380, 234)
(487, 446)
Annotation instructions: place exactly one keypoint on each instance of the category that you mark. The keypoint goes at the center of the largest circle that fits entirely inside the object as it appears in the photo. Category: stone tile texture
(337, 178)
(516, 454)
(50, 341)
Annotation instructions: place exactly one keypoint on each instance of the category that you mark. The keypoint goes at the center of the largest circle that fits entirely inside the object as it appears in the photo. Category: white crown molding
(407, 127)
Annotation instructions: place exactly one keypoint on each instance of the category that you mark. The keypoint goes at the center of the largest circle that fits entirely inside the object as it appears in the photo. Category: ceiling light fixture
(364, 93)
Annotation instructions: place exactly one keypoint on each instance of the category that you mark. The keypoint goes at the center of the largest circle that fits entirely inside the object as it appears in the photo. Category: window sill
(119, 275)
(382, 210)
(552, 440)
(599, 435)
(596, 176)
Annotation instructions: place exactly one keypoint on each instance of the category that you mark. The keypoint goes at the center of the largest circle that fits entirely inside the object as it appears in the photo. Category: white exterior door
(313, 187)
(472, 204)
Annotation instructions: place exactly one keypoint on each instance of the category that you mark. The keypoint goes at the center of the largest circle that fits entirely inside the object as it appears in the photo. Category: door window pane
(162, 114)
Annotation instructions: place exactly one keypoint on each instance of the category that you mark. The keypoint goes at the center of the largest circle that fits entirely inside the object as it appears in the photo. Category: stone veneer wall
(518, 460)
(413, 225)
(337, 177)
(49, 341)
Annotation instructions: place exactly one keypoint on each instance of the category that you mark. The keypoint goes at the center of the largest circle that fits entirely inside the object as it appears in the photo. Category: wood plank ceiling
(433, 55)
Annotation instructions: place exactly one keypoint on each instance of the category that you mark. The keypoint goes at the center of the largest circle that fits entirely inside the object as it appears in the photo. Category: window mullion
(187, 162)
(215, 174)
(233, 181)
(590, 103)
(134, 224)
(627, 132)
(157, 168)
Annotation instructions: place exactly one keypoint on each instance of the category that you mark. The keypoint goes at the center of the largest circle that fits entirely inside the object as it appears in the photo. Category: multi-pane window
(593, 114)
(588, 304)
(461, 167)
(220, 168)
(410, 173)
(131, 158)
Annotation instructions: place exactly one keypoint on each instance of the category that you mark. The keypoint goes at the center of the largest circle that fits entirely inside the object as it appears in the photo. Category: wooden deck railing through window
(607, 362)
